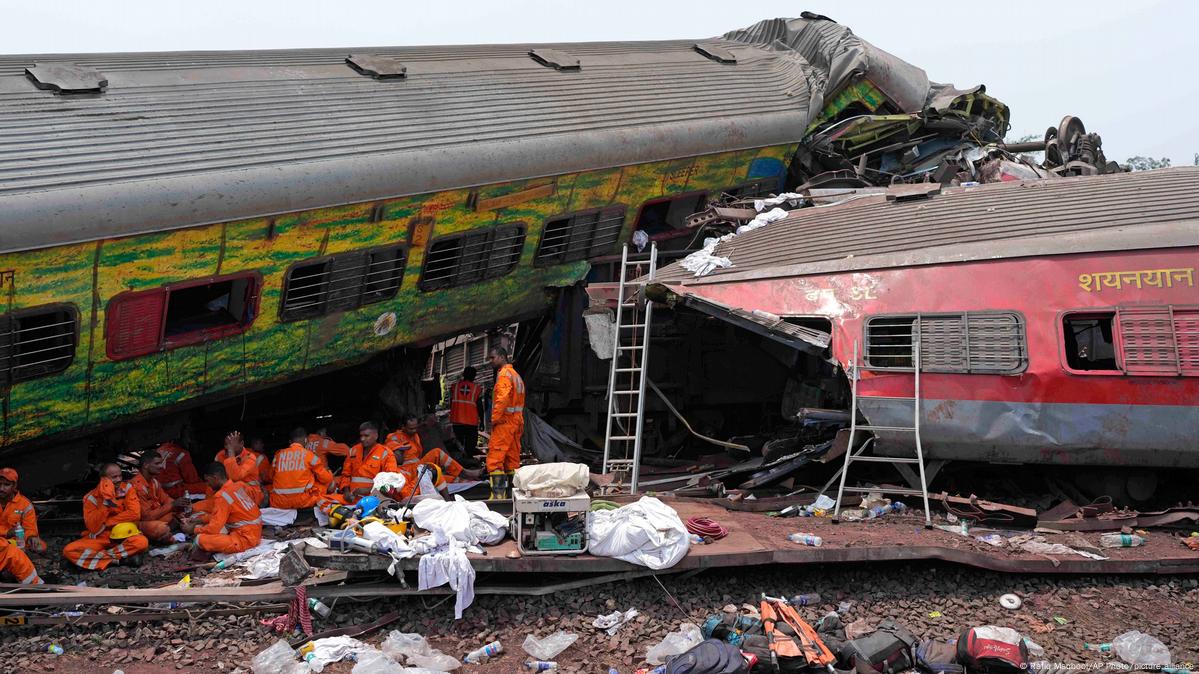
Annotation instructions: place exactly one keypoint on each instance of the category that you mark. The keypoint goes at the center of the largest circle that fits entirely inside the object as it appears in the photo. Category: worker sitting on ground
(16, 566)
(366, 459)
(157, 507)
(409, 450)
(243, 464)
(109, 513)
(507, 424)
(16, 514)
(179, 475)
(234, 511)
(300, 477)
(324, 446)
(466, 403)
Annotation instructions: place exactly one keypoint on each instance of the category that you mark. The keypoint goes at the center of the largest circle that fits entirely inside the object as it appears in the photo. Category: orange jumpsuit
(410, 451)
(507, 421)
(234, 511)
(250, 468)
(20, 510)
(15, 564)
(103, 508)
(179, 476)
(300, 478)
(361, 467)
(156, 507)
(326, 447)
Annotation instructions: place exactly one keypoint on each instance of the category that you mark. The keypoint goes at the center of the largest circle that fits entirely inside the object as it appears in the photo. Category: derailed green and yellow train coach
(185, 227)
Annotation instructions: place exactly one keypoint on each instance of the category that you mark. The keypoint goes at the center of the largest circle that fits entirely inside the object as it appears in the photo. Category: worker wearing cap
(16, 565)
(244, 464)
(15, 510)
(409, 451)
(300, 477)
(157, 508)
(179, 474)
(235, 523)
(507, 423)
(109, 513)
(466, 398)
(324, 446)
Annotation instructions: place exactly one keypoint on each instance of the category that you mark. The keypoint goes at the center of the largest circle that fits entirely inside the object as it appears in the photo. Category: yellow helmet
(124, 530)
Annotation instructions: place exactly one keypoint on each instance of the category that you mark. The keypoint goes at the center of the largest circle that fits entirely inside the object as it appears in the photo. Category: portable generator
(550, 526)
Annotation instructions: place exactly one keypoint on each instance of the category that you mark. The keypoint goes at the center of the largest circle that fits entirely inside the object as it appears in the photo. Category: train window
(664, 215)
(581, 235)
(138, 323)
(1160, 340)
(472, 257)
(968, 342)
(37, 342)
(1090, 342)
(342, 282)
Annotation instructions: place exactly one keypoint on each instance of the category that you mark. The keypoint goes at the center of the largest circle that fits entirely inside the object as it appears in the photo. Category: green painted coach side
(95, 390)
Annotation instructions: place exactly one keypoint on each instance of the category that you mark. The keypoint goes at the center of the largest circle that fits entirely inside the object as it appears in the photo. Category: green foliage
(1139, 163)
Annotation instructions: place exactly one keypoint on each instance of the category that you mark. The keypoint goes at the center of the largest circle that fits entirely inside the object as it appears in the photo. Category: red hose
(708, 528)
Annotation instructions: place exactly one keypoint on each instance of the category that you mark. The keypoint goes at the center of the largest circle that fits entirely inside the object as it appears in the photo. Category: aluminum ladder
(626, 374)
(852, 457)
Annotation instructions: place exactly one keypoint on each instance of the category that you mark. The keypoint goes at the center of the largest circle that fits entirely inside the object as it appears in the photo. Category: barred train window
(472, 257)
(342, 282)
(37, 342)
(969, 342)
(580, 235)
(1146, 340)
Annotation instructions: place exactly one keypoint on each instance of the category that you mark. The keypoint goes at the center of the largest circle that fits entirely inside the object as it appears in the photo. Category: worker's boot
(499, 485)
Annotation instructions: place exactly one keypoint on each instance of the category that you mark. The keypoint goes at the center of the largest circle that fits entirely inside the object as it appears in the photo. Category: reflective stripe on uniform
(294, 490)
(227, 497)
(362, 481)
(92, 500)
(514, 410)
(28, 580)
(246, 523)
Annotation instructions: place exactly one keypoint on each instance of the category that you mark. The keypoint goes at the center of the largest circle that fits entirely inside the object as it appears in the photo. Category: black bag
(939, 656)
(708, 657)
(887, 649)
(993, 650)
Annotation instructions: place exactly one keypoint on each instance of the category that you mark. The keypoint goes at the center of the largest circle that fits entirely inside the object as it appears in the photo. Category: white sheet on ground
(552, 480)
(647, 532)
(279, 517)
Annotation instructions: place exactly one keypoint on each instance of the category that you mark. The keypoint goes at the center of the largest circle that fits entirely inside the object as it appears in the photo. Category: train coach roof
(179, 139)
(923, 224)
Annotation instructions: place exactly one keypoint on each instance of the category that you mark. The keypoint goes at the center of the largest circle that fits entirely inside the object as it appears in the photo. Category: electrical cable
(706, 527)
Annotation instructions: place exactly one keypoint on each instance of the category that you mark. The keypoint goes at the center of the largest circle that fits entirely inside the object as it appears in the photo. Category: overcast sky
(1128, 69)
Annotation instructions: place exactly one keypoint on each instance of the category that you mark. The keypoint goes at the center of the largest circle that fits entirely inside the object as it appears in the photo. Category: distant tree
(1146, 163)
(1197, 159)
(1034, 157)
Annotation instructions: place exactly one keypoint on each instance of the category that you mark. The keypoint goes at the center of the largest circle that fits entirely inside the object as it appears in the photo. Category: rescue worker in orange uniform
(507, 423)
(109, 513)
(15, 564)
(179, 476)
(157, 507)
(235, 523)
(16, 509)
(466, 402)
(324, 446)
(410, 451)
(300, 477)
(366, 459)
(245, 465)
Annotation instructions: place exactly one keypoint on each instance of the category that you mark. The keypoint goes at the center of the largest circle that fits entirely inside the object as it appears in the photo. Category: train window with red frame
(1138, 340)
(142, 322)
(968, 342)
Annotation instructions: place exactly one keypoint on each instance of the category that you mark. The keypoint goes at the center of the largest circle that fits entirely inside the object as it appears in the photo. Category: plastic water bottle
(805, 599)
(540, 665)
(1102, 648)
(1120, 540)
(879, 511)
(318, 607)
(54, 649)
(805, 539)
(493, 648)
(18, 532)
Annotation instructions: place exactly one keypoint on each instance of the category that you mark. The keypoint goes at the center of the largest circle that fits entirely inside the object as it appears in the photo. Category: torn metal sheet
(756, 321)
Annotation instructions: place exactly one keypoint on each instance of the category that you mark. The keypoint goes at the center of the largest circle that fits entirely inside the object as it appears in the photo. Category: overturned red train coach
(1058, 320)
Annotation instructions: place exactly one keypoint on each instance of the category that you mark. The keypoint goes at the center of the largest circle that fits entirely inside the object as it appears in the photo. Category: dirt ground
(1093, 608)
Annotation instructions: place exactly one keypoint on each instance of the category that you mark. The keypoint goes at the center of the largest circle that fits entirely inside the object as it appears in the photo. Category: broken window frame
(115, 320)
(580, 227)
(755, 188)
(50, 356)
(485, 255)
(701, 198)
(1176, 334)
(947, 337)
(346, 282)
